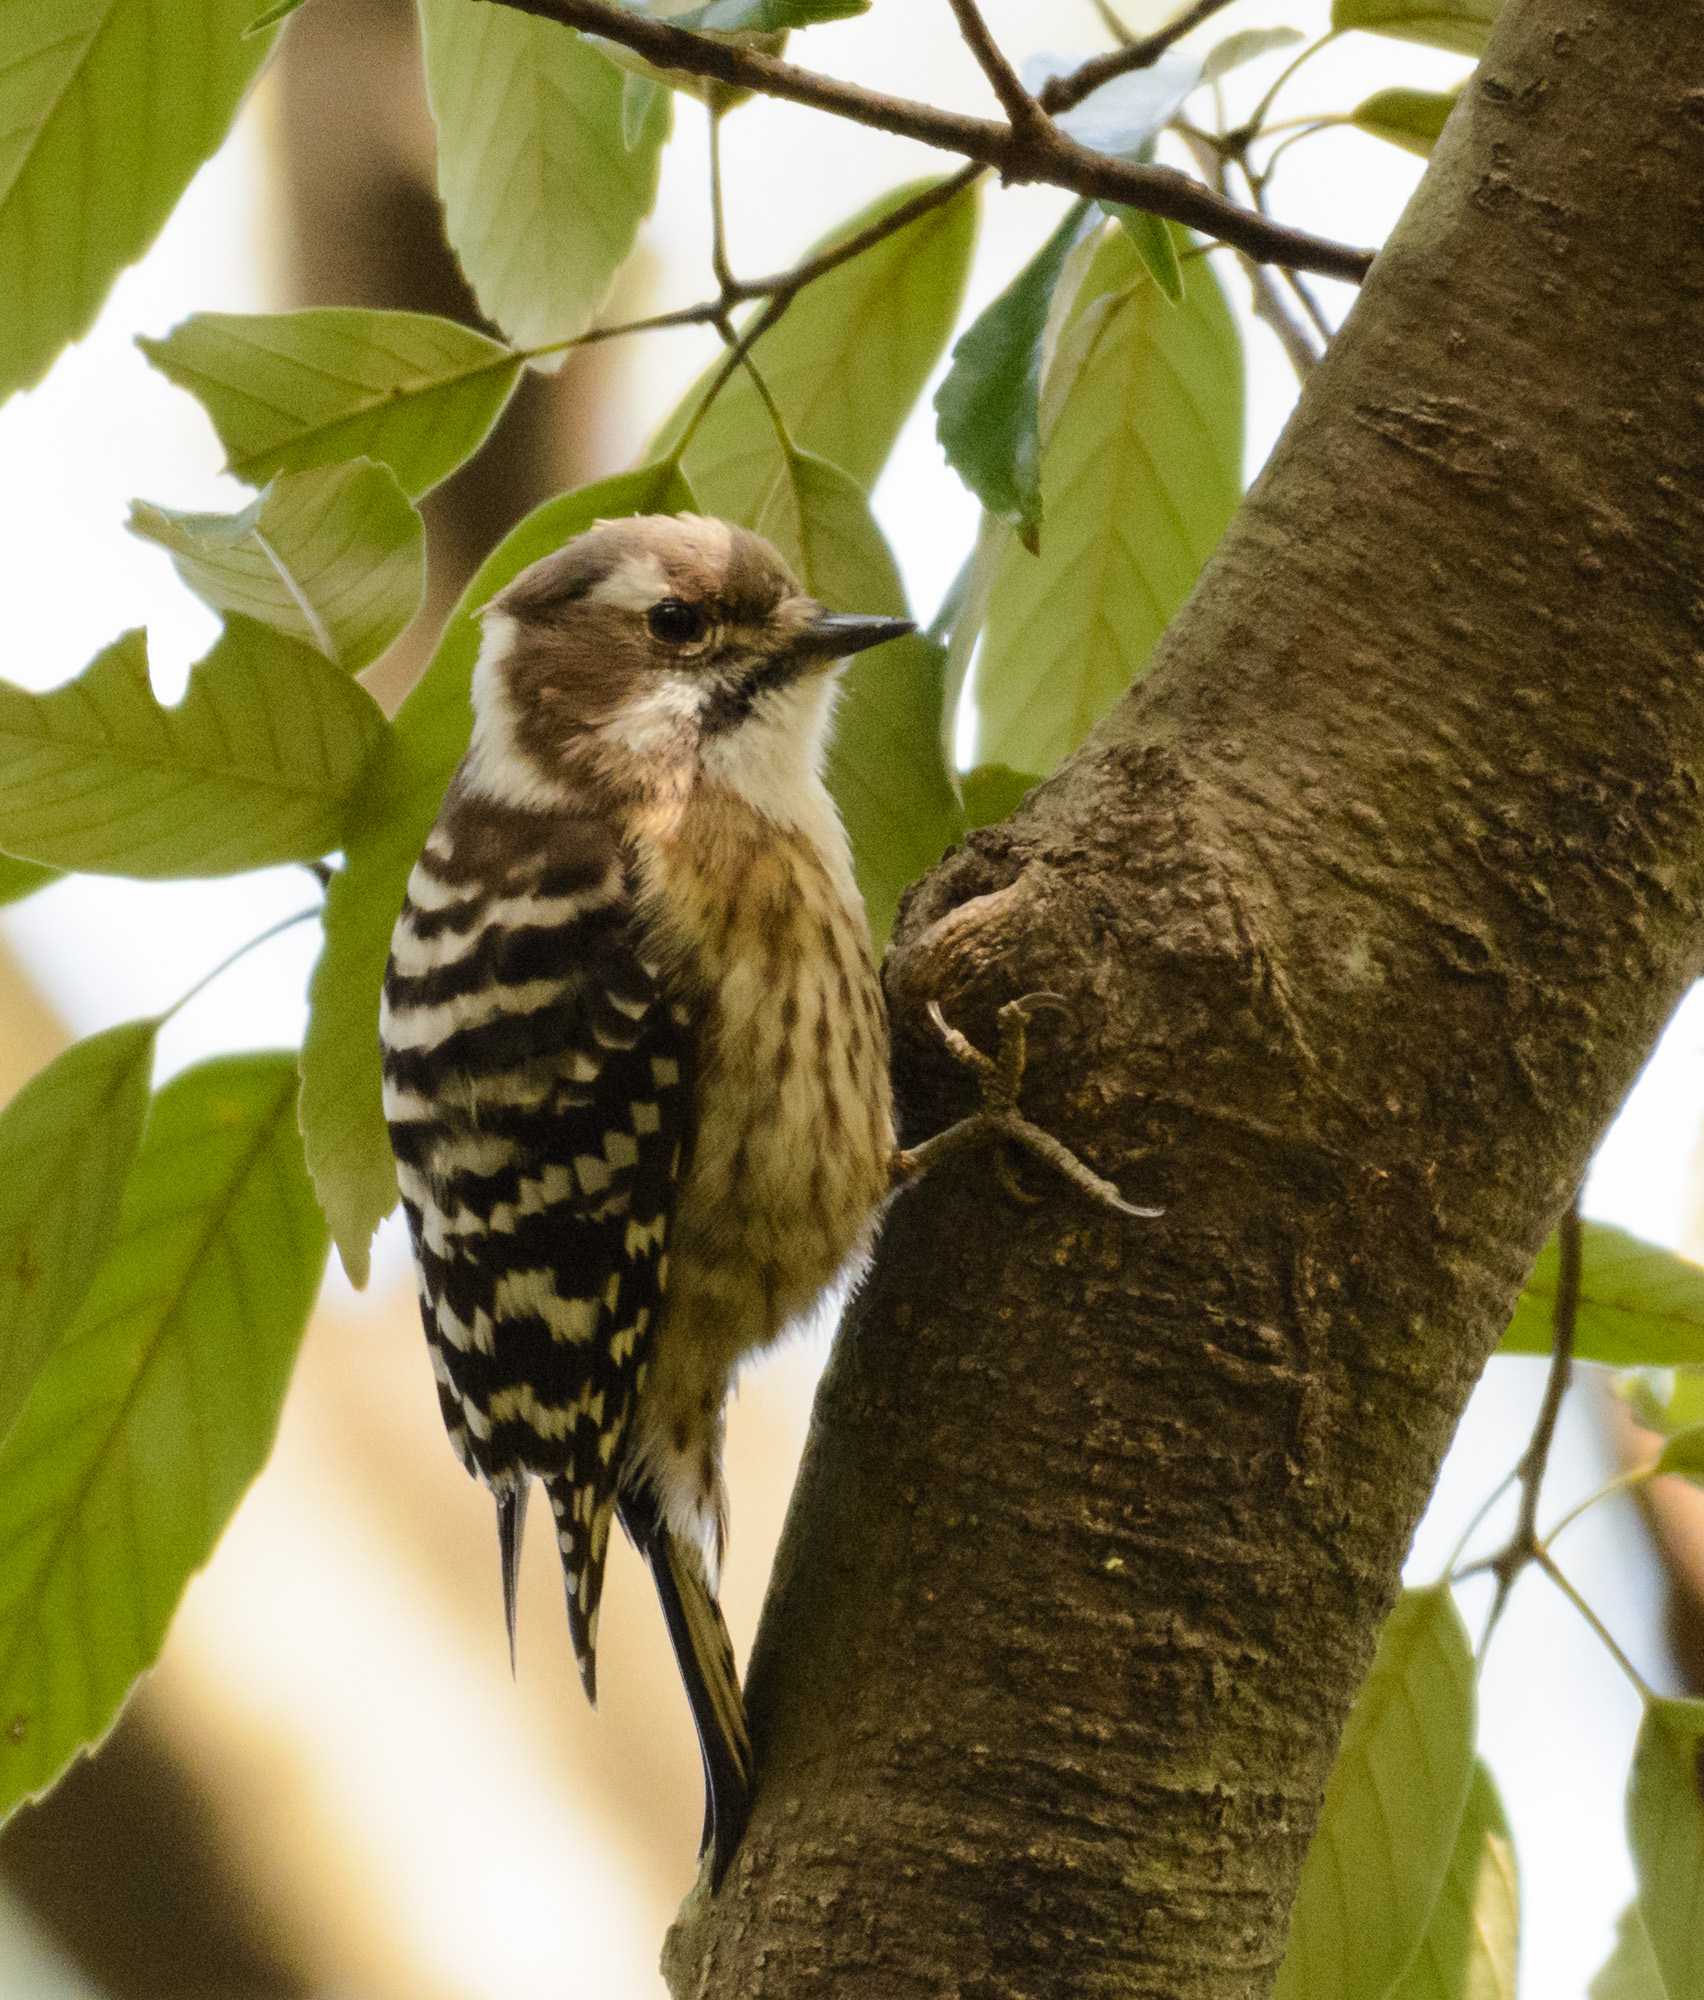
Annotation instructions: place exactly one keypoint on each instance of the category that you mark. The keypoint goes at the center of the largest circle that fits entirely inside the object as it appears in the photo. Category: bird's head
(652, 652)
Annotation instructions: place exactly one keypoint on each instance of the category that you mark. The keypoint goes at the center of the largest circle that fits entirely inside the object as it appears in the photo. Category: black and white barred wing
(538, 1090)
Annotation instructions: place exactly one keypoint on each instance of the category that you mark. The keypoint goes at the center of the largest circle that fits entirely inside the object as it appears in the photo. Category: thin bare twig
(1113, 25)
(719, 268)
(1524, 1546)
(1046, 155)
(810, 269)
(1020, 108)
(1269, 301)
(1065, 91)
(1310, 305)
(778, 284)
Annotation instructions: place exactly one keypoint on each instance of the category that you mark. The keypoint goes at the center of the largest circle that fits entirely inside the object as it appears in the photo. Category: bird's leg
(1001, 1077)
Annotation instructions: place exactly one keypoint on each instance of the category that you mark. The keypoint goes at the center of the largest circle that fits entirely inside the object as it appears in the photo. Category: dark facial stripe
(728, 707)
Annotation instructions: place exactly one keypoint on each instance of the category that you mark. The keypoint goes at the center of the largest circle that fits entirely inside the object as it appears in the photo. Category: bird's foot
(1000, 1077)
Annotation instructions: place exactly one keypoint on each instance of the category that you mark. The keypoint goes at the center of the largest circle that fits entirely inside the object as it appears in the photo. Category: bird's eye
(675, 622)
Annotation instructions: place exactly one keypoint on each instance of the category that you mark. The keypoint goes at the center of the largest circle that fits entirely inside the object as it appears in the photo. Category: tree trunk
(1369, 903)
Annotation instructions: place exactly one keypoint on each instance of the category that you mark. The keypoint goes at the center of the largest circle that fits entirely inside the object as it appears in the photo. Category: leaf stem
(1623, 1482)
(242, 951)
(1646, 1692)
(1256, 119)
(718, 219)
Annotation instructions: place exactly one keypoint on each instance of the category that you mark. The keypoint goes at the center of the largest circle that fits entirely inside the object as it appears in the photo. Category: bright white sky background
(1557, 1718)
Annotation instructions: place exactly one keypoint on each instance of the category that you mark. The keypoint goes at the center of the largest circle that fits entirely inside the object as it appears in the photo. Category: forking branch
(1042, 152)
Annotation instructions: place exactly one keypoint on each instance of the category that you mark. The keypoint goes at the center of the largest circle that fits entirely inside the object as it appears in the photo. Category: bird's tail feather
(511, 1522)
(705, 1656)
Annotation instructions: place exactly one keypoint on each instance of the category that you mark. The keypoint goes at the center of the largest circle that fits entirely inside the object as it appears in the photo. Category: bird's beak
(836, 635)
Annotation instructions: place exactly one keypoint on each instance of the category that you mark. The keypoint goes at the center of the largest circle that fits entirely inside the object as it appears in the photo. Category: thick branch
(1369, 904)
(1046, 154)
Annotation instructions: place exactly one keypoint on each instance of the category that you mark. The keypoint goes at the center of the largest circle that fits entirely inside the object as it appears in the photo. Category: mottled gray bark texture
(1369, 904)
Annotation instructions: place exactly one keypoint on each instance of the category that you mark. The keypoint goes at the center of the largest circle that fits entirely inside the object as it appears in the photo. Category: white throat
(773, 759)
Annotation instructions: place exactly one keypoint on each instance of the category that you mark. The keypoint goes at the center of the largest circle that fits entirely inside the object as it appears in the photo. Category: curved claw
(1042, 1002)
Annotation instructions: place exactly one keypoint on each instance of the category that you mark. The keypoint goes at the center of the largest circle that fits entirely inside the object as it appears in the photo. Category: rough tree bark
(1369, 903)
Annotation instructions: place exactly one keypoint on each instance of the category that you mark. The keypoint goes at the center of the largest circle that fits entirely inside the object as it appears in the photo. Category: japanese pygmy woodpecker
(635, 1057)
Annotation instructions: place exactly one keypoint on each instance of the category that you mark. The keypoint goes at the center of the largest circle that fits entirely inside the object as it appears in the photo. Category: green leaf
(157, 1409)
(256, 764)
(288, 391)
(1463, 25)
(1665, 1828)
(1155, 245)
(1684, 1453)
(993, 792)
(1471, 1948)
(342, 1122)
(542, 194)
(19, 879)
(1141, 469)
(273, 15)
(66, 1143)
(885, 766)
(1411, 119)
(1639, 1304)
(1245, 46)
(1630, 1972)
(845, 365)
(989, 405)
(1663, 1399)
(747, 16)
(99, 135)
(1392, 1809)
(335, 557)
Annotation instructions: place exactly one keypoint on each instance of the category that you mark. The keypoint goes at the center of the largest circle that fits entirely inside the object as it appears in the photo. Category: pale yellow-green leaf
(1639, 1304)
(1392, 1808)
(1471, 1949)
(1141, 469)
(1630, 1971)
(1411, 119)
(845, 365)
(66, 1143)
(542, 193)
(342, 1121)
(334, 557)
(155, 1411)
(258, 763)
(1684, 1453)
(1665, 1828)
(107, 107)
(287, 391)
(1463, 25)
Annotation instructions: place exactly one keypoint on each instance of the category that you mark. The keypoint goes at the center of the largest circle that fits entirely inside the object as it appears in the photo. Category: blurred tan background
(330, 1785)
